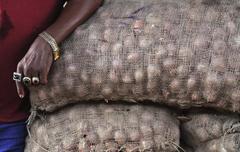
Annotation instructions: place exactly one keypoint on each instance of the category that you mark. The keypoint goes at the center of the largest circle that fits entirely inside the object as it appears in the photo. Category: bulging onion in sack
(182, 53)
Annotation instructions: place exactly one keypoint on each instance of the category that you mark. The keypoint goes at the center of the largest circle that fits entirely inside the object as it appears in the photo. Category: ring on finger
(27, 81)
(17, 76)
(35, 80)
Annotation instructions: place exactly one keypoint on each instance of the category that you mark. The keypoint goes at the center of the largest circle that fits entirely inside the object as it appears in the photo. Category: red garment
(23, 20)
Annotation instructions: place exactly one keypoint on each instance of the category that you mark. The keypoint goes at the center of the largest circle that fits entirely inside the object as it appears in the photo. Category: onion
(97, 79)
(219, 46)
(219, 34)
(218, 64)
(210, 95)
(145, 42)
(167, 26)
(133, 119)
(152, 72)
(93, 137)
(127, 78)
(104, 47)
(84, 76)
(230, 80)
(153, 19)
(152, 86)
(111, 146)
(211, 15)
(107, 91)
(191, 83)
(108, 35)
(133, 57)
(196, 96)
(68, 57)
(161, 52)
(146, 131)
(116, 48)
(194, 15)
(42, 94)
(113, 76)
(139, 75)
(235, 96)
(82, 126)
(147, 116)
(120, 137)
(186, 53)
(69, 83)
(134, 135)
(171, 49)
(94, 35)
(138, 24)
(105, 133)
(117, 65)
(212, 81)
(182, 71)
(168, 64)
(147, 144)
(175, 85)
(201, 42)
(82, 91)
(202, 68)
(72, 69)
(68, 142)
(149, 29)
(231, 27)
(129, 41)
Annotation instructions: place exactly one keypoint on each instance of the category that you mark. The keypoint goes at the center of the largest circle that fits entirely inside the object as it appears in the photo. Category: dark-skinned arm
(38, 60)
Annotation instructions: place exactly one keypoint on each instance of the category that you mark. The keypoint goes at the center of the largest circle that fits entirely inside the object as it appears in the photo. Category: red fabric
(23, 20)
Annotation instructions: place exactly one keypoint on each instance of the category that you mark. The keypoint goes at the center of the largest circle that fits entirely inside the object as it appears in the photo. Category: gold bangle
(52, 42)
(56, 55)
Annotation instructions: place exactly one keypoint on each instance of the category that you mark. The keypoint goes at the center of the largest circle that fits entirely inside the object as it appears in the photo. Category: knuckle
(19, 65)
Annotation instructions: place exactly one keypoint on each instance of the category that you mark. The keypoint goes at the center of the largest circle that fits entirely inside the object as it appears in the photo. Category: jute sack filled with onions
(181, 53)
(133, 128)
(106, 128)
(211, 132)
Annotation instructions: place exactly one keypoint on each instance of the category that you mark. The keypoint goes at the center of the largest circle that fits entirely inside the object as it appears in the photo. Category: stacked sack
(180, 53)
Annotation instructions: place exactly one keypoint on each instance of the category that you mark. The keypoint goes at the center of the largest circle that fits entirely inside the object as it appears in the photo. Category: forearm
(74, 14)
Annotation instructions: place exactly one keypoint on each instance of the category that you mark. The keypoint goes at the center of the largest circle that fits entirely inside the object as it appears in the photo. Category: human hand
(36, 63)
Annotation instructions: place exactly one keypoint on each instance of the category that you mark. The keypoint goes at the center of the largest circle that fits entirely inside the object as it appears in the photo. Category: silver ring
(35, 80)
(27, 81)
(17, 76)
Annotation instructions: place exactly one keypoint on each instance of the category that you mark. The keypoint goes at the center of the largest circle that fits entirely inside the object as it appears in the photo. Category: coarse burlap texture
(181, 53)
(106, 128)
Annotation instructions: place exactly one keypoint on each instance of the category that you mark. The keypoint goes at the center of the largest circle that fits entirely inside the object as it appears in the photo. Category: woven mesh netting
(106, 128)
(182, 53)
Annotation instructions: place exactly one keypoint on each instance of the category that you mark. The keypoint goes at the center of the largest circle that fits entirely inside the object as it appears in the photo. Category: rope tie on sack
(34, 114)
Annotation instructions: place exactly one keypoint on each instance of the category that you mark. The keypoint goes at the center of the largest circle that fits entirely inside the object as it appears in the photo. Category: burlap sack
(178, 52)
(106, 128)
(212, 132)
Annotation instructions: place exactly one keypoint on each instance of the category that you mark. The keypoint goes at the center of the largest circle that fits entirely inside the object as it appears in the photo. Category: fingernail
(21, 96)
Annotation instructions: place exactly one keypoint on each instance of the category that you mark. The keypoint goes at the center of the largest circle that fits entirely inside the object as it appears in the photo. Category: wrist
(55, 33)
